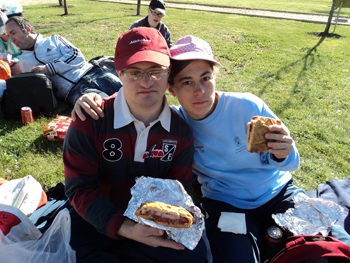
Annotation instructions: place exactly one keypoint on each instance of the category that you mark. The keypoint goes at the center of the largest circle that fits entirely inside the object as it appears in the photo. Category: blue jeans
(97, 81)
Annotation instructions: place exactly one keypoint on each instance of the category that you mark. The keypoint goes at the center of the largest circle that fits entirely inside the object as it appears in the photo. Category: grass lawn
(303, 78)
(309, 6)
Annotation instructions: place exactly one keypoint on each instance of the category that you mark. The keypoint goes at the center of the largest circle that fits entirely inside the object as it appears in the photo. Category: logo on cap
(140, 40)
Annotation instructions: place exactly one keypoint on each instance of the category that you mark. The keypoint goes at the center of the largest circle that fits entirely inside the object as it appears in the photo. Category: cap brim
(158, 9)
(195, 55)
(143, 56)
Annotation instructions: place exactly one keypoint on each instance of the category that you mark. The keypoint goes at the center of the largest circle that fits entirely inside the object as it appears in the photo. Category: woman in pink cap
(241, 190)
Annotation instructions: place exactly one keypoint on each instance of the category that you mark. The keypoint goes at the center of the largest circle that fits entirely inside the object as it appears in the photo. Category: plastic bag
(52, 246)
(24, 193)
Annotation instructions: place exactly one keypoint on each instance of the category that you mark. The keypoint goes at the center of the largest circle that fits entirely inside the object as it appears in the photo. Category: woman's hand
(284, 143)
(91, 104)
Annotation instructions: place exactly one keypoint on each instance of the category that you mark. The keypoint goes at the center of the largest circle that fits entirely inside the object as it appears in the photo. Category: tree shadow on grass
(307, 60)
(324, 34)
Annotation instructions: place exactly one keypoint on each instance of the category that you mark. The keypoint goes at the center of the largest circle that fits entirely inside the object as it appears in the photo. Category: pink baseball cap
(141, 44)
(191, 47)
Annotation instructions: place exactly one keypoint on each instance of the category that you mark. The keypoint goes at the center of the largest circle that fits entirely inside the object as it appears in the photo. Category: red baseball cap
(141, 44)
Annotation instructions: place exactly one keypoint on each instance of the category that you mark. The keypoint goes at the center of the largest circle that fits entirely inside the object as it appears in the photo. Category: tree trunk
(65, 8)
(138, 7)
(60, 2)
(329, 22)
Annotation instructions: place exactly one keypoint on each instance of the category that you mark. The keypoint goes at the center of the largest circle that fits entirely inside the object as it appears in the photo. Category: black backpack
(57, 200)
(32, 90)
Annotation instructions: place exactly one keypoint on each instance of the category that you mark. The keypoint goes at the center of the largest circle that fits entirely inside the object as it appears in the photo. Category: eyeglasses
(156, 13)
(156, 74)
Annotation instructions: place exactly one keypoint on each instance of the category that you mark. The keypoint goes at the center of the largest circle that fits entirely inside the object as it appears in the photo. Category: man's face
(145, 93)
(18, 37)
(154, 17)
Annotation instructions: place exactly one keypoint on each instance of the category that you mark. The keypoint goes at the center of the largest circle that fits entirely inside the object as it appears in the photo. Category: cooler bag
(33, 90)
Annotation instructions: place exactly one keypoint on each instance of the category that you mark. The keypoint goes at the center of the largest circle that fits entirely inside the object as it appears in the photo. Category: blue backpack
(43, 217)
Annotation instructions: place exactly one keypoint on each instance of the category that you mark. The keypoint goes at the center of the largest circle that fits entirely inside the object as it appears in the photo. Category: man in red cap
(103, 157)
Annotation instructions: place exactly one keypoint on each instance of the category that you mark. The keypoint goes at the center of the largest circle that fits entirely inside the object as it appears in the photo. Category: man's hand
(91, 104)
(147, 235)
(284, 143)
(15, 69)
(40, 69)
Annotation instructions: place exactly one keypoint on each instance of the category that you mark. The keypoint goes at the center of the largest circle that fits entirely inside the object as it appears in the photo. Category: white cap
(3, 20)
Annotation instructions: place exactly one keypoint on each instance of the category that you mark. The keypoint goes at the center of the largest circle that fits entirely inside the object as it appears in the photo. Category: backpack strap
(43, 217)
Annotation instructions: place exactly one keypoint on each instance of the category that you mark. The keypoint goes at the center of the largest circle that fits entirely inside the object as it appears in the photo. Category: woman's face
(194, 87)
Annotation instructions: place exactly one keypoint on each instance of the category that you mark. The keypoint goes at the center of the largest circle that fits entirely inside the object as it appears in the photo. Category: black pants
(92, 246)
(239, 248)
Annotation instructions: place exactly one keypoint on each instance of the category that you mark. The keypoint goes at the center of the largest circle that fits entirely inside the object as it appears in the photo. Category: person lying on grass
(56, 57)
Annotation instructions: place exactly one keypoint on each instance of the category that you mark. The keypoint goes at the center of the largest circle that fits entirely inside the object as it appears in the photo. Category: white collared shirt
(121, 109)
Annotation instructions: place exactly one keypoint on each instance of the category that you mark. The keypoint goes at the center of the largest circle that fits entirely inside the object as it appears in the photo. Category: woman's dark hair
(178, 65)
(22, 23)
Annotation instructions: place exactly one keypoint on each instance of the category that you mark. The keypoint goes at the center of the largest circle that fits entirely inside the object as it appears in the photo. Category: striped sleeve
(72, 57)
(81, 168)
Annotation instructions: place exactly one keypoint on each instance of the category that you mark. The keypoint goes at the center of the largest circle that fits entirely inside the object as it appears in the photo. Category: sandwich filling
(167, 215)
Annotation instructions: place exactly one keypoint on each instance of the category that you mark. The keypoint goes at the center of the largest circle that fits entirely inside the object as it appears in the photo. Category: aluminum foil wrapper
(148, 189)
(310, 216)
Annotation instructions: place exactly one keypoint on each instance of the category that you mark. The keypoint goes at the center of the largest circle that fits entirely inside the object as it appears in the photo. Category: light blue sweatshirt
(225, 169)
(10, 49)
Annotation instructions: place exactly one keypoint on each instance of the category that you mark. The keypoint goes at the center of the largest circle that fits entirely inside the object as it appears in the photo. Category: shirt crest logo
(199, 149)
(153, 153)
(165, 154)
(238, 141)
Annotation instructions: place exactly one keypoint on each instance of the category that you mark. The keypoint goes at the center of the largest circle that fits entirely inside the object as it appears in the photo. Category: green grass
(303, 78)
(309, 6)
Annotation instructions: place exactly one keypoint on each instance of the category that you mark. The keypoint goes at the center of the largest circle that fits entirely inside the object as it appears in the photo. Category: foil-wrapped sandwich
(165, 214)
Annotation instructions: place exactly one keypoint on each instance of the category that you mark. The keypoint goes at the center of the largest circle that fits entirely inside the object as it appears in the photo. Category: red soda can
(27, 115)
(274, 236)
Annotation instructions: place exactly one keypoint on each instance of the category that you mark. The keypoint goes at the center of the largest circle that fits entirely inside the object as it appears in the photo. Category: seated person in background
(7, 47)
(70, 73)
(11, 8)
(102, 159)
(156, 11)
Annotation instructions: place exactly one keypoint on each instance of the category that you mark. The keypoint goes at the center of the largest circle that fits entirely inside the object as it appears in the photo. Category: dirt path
(302, 17)
(36, 2)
